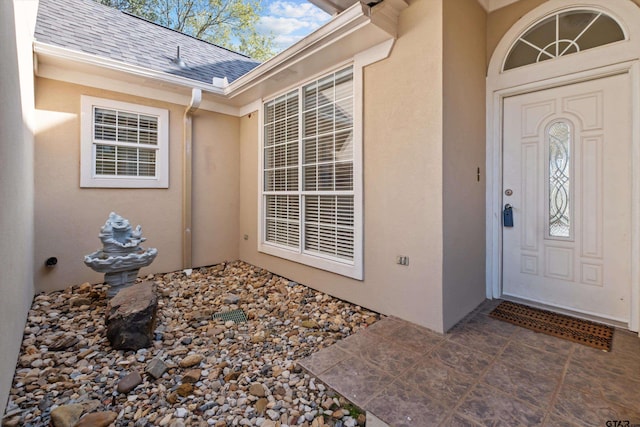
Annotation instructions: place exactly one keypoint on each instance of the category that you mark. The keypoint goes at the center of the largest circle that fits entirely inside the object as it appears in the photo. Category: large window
(123, 145)
(309, 207)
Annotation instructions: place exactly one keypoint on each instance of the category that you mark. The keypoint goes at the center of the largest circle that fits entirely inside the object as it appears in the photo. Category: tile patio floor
(484, 372)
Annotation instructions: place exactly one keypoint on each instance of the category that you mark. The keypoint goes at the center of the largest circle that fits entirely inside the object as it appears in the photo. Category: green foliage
(142, 8)
(227, 23)
(354, 411)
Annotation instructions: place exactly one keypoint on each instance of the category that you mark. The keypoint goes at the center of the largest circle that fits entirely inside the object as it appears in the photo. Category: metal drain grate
(238, 316)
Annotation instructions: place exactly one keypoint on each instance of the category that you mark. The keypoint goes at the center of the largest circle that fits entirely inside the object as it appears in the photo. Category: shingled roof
(90, 27)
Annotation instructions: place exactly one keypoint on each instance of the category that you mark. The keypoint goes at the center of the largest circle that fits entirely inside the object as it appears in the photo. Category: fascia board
(497, 4)
(491, 5)
(73, 56)
(94, 76)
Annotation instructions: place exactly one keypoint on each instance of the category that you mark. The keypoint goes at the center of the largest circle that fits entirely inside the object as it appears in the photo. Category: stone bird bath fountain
(121, 257)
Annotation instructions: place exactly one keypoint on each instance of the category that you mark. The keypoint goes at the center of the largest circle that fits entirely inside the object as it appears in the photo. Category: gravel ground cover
(200, 370)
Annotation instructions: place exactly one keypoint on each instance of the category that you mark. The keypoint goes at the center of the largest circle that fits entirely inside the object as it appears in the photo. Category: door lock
(507, 216)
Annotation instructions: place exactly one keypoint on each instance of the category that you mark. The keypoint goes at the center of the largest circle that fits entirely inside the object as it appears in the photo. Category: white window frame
(354, 269)
(350, 268)
(575, 42)
(88, 179)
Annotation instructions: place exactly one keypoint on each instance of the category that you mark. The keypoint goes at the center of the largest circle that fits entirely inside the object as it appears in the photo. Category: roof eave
(73, 57)
(333, 7)
(353, 31)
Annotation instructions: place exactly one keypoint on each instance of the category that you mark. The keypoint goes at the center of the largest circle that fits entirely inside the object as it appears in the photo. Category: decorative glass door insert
(559, 186)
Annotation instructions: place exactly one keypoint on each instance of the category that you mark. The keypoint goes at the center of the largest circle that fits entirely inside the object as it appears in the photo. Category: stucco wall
(16, 182)
(216, 188)
(68, 218)
(402, 181)
(464, 152)
(499, 21)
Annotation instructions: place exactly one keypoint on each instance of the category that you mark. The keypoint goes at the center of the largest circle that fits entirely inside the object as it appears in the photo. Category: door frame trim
(619, 59)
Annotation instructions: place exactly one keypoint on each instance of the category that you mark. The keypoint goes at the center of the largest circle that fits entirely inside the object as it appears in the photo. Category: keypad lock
(507, 216)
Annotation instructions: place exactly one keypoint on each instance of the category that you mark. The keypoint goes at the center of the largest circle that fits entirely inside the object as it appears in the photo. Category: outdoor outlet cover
(402, 260)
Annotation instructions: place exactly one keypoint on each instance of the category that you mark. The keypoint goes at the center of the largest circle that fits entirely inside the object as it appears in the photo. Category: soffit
(333, 7)
(491, 5)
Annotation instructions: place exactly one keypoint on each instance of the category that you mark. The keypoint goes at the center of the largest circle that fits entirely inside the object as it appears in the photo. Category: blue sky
(290, 20)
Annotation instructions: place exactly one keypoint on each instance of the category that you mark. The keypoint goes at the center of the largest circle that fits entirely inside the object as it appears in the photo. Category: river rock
(97, 419)
(129, 382)
(185, 389)
(310, 324)
(131, 317)
(261, 405)
(156, 368)
(257, 390)
(64, 342)
(231, 299)
(191, 360)
(229, 359)
(192, 376)
(66, 415)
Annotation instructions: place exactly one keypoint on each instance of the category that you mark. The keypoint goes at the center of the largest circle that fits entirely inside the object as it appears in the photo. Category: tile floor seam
(556, 392)
(525, 343)
(408, 368)
(479, 329)
(438, 345)
(498, 390)
(537, 349)
(378, 366)
(317, 374)
(346, 394)
(394, 376)
(426, 394)
(454, 413)
(493, 356)
(622, 405)
(590, 394)
(601, 396)
(525, 368)
(477, 381)
(414, 389)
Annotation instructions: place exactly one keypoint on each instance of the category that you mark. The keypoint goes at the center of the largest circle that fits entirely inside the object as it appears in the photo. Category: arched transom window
(562, 34)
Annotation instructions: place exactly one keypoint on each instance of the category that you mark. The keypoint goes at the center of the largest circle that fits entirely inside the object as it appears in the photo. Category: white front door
(567, 176)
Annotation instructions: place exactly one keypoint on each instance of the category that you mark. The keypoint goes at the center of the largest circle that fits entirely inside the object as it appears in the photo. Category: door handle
(507, 216)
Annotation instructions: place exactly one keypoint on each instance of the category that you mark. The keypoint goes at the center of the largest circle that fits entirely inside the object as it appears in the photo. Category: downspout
(187, 177)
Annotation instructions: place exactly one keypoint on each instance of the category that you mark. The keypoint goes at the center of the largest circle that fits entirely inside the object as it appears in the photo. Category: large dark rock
(131, 317)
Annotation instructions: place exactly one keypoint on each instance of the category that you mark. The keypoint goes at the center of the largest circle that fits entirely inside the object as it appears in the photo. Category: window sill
(348, 269)
(141, 183)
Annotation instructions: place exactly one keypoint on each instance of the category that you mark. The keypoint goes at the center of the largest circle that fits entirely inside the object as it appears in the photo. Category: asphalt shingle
(90, 27)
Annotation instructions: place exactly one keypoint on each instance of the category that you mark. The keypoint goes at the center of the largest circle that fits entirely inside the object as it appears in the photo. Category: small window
(123, 145)
(563, 34)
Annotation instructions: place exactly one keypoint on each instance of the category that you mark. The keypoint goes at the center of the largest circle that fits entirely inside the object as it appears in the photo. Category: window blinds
(308, 168)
